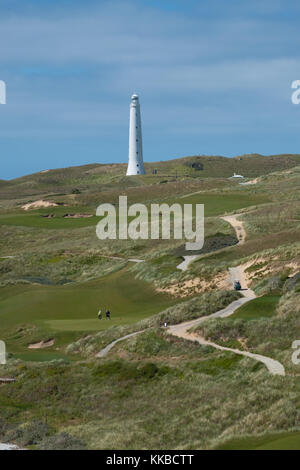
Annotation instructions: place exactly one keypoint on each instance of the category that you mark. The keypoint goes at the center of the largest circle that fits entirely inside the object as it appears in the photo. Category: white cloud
(183, 65)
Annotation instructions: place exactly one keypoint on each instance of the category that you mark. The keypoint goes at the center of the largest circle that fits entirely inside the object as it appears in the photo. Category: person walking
(100, 315)
(107, 315)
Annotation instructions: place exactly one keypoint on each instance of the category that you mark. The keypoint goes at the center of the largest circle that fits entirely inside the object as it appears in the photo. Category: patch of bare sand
(270, 267)
(242, 274)
(294, 266)
(255, 181)
(77, 216)
(42, 344)
(238, 226)
(195, 286)
(39, 204)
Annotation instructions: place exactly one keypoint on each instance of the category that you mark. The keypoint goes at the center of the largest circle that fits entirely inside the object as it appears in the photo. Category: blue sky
(213, 77)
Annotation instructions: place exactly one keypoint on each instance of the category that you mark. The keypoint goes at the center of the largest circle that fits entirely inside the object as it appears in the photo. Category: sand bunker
(77, 216)
(39, 204)
(42, 344)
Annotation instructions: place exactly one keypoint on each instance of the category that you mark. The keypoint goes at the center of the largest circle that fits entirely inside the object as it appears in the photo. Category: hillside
(55, 275)
(93, 177)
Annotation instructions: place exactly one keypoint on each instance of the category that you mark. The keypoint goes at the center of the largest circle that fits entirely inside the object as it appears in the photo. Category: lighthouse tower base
(135, 170)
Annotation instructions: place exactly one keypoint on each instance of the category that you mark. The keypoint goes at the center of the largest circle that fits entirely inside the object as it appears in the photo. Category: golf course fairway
(31, 313)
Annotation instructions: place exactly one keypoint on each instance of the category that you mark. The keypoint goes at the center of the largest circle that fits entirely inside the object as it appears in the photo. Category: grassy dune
(88, 178)
(153, 390)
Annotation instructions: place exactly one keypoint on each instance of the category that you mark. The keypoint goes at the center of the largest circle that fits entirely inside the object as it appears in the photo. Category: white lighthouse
(135, 158)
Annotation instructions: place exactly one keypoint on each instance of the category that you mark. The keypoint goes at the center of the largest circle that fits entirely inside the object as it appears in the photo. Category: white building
(135, 158)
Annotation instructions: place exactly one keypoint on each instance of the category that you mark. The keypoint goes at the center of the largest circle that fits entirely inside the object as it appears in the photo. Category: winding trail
(187, 260)
(238, 272)
(182, 330)
(240, 233)
(238, 227)
(107, 348)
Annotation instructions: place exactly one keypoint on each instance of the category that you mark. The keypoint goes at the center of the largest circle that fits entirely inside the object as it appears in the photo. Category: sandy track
(107, 348)
(238, 272)
(240, 233)
(238, 227)
(182, 330)
(187, 260)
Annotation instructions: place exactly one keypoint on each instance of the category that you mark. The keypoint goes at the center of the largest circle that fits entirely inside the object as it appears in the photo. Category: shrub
(270, 285)
(202, 305)
(35, 432)
(30, 434)
(149, 370)
(292, 283)
(129, 371)
(217, 365)
(62, 441)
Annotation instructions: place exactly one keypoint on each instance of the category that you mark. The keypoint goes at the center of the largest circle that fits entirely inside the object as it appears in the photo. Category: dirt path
(187, 260)
(107, 348)
(238, 272)
(238, 226)
(240, 233)
(182, 330)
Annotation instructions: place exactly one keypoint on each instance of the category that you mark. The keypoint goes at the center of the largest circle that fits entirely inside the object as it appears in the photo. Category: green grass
(136, 396)
(216, 366)
(41, 356)
(219, 203)
(261, 307)
(282, 441)
(58, 222)
(215, 204)
(66, 311)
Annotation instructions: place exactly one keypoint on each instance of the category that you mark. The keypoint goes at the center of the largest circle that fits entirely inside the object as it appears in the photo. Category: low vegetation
(153, 390)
